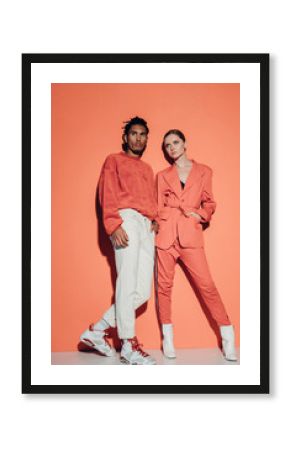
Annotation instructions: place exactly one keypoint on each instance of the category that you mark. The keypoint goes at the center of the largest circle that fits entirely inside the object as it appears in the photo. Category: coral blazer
(174, 202)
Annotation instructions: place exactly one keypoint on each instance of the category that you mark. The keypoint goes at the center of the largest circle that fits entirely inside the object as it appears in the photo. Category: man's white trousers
(134, 265)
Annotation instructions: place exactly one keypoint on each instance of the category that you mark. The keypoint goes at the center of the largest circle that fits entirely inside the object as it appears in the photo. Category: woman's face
(174, 146)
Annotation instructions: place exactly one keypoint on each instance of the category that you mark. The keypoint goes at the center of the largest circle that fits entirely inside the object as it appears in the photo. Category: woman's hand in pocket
(193, 214)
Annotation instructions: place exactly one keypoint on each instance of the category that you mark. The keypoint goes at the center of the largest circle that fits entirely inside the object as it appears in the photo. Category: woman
(185, 206)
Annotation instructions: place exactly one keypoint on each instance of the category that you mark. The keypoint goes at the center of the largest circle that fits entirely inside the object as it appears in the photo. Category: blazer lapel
(172, 178)
(193, 177)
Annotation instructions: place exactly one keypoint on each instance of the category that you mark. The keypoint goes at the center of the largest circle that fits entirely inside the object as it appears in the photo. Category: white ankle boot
(228, 342)
(167, 343)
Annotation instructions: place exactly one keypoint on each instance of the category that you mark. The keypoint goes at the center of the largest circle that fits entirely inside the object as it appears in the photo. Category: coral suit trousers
(195, 262)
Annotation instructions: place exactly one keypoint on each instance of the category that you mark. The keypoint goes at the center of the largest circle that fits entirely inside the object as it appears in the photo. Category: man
(126, 193)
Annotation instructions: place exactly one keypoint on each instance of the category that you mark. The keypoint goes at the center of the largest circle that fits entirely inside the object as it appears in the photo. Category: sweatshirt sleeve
(156, 197)
(161, 213)
(208, 205)
(108, 185)
(153, 193)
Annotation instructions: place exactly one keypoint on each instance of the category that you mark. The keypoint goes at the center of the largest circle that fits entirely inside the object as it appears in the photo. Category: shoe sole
(87, 346)
(125, 361)
(228, 359)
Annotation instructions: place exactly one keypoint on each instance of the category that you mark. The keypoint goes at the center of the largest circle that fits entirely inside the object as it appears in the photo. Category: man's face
(136, 139)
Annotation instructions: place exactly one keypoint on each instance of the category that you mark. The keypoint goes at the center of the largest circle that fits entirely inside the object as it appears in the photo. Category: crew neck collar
(130, 157)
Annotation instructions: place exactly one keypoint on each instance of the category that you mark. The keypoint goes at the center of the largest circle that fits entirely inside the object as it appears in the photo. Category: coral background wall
(87, 124)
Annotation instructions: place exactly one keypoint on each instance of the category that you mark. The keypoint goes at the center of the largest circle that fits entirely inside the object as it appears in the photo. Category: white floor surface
(207, 356)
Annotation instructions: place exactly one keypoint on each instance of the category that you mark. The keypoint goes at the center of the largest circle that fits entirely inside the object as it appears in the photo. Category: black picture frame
(263, 61)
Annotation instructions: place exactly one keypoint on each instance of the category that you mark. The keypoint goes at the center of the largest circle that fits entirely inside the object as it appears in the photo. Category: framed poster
(74, 110)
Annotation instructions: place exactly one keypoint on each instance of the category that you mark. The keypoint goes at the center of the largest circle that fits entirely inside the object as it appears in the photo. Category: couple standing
(132, 218)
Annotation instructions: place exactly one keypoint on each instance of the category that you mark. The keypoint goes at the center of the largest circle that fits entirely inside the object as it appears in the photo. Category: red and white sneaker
(93, 339)
(133, 354)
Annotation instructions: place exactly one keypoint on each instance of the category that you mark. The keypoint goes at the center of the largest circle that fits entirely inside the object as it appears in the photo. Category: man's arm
(108, 196)
(154, 223)
(158, 196)
(154, 226)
